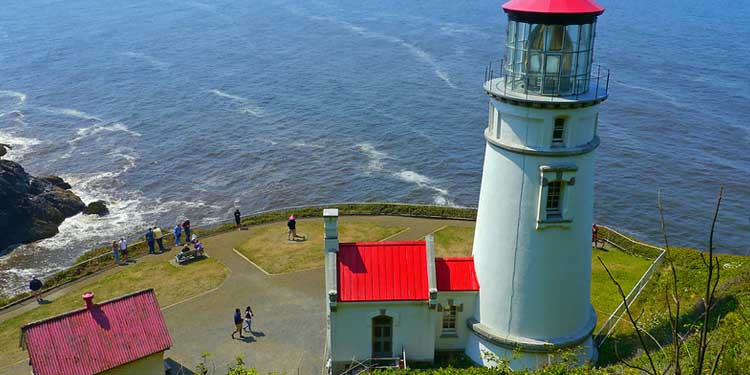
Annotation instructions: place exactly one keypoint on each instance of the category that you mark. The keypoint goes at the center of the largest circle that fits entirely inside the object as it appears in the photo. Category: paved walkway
(289, 324)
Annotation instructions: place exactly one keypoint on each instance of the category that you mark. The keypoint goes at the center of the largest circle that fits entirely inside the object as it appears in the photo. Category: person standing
(159, 236)
(237, 218)
(249, 319)
(177, 233)
(36, 286)
(292, 225)
(124, 249)
(150, 240)
(237, 323)
(186, 229)
(116, 252)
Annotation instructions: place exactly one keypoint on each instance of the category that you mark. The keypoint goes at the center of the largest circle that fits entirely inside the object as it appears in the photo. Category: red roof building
(98, 337)
(456, 275)
(382, 271)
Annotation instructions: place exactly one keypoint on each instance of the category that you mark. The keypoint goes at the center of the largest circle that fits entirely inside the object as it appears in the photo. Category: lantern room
(549, 47)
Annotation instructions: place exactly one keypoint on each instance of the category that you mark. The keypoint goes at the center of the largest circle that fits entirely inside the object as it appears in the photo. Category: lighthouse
(532, 245)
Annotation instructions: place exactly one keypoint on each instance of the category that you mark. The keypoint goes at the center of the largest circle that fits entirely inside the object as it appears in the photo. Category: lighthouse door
(382, 337)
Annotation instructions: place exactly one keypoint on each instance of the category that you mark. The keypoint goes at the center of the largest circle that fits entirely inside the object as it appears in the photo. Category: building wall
(465, 299)
(535, 279)
(151, 365)
(413, 330)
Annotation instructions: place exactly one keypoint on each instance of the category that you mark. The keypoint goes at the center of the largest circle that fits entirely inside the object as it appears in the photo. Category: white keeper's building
(525, 293)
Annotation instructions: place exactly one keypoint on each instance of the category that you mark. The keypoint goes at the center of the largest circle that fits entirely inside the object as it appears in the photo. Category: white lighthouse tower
(532, 247)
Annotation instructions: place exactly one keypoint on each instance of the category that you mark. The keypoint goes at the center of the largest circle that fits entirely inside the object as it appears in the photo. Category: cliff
(32, 208)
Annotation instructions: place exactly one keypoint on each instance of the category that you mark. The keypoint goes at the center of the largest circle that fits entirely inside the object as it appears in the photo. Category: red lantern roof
(97, 337)
(553, 6)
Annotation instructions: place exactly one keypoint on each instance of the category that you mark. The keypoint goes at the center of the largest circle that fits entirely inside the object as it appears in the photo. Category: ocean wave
(418, 52)
(21, 146)
(93, 130)
(15, 115)
(670, 99)
(70, 112)
(247, 106)
(306, 145)
(422, 181)
(21, 97)
(375, 157)
(153, 61)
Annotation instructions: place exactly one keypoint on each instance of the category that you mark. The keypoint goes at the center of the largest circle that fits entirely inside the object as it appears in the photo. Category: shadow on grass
(627, 346)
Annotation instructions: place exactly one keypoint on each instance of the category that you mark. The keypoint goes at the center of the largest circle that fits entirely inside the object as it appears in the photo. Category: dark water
(172, 109)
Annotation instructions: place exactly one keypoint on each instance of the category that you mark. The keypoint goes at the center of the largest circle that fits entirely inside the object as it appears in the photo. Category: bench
(190, 254)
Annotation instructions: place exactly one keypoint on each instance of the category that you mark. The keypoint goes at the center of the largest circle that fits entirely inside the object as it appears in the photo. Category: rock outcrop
(32, 208)
(96, 208)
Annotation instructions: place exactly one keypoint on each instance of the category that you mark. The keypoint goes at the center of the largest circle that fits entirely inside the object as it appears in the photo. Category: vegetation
(171, 284)
(454, 241)
(269, 249)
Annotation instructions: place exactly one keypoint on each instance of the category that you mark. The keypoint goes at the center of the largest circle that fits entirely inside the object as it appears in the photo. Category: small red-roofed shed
(127, 333)
(382, 271)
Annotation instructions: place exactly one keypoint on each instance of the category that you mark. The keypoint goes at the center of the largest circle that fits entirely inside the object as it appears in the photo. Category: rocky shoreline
(32, 208)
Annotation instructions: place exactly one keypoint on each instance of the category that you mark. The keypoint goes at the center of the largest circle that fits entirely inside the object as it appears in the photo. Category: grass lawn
(171, 284)
(453, 241)
(269, 249)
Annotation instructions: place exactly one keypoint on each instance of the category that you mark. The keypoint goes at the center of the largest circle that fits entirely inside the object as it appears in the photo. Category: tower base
(488, 354)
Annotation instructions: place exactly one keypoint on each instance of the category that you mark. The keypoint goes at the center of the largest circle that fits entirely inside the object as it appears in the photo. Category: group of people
(154, 237)
(239, 320)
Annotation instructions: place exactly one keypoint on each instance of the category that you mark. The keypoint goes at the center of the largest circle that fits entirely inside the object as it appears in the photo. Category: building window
(558, 133)
(449, 321)
(556, 195)
(554, 200)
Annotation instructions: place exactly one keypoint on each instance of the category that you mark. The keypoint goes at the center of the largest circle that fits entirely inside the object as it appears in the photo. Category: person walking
(249, 319)
(116, 252)
(177, 233)
(159, 236)
(124, 249)
(186, 229)
(36, 286)
(292, 225)
(237, 218)
(237, 323)
(150, 240)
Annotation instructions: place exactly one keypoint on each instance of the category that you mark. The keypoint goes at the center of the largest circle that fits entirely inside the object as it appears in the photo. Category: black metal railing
(547, 87)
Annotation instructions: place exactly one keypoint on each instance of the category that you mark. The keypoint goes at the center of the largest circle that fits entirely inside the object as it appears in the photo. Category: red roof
(456, 274)
(554, 6)
(382, 271)
(101, 337)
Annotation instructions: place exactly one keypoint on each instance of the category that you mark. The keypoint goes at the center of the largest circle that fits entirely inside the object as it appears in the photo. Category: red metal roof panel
(382, 271)
(96, 339)
(456, 274)
(554, 6)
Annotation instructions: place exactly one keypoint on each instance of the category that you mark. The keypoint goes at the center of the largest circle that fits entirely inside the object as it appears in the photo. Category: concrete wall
(465, 299)
(413, 330)
(151, 365)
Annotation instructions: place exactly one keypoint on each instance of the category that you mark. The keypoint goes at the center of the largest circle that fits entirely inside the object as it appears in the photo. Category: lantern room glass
(548, 60)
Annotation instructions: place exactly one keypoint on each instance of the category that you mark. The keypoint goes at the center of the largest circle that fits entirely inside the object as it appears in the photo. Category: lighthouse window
(449, 321)
(554, 198)
(558, 133)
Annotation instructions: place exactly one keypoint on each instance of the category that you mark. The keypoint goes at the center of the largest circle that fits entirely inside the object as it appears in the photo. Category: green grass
(454, 241)
(626, 269)
(171, 284)
(269, 249)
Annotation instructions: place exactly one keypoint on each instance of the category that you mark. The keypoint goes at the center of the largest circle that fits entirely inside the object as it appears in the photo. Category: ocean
(178, 108)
